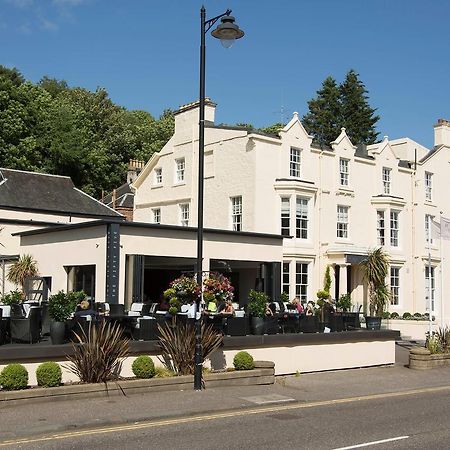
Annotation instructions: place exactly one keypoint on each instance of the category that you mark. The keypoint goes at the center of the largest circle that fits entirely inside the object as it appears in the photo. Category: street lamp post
(227, 31)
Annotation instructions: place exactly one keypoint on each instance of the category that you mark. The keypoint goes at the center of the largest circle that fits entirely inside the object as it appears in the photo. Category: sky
(145, 53)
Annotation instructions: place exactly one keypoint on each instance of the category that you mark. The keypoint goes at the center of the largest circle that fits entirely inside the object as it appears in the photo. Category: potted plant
(375, 269)
(344, 303)
(12, 298)
(257, 302)
(22, 269)
(60, 307)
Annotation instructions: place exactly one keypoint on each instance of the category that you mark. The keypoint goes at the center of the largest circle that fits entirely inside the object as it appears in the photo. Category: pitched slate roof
(50, 193)
(124, 197)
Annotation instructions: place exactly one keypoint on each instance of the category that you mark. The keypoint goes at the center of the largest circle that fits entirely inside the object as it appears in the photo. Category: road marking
(367, 444)
(216, 416)
(270, 398)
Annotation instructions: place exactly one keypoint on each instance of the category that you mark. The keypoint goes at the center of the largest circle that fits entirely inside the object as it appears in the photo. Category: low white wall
(410, 329)
(288, 360)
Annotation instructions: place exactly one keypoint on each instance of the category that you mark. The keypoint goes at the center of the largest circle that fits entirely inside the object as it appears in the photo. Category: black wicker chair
(145, 329)
(45, 319)
(116, 309)
(27, 329)
(17, 311)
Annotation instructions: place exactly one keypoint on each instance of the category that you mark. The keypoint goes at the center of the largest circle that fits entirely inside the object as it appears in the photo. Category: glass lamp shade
(227, 31)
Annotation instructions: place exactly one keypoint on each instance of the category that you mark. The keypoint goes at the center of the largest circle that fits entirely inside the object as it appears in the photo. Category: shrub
(48, 374)
(257, 303)
(395, 315)
(386, 315)
(433, 345)
(284, 297)
(344, 302)
(418, 315)
(407, 316)
(143, 367)
(163, 372)
(12, 298)
(443, 337)
(14, 377)
(100, 356)
(61, 306)
(177, 346)
(243, 361)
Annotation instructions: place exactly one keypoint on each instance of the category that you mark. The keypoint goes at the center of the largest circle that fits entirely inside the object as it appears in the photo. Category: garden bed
(421, 358)
(263, 373)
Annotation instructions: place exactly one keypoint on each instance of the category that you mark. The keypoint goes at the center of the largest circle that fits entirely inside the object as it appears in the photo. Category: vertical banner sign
(112, 262)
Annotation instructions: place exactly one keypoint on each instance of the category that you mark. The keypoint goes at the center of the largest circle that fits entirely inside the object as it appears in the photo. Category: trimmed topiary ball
(14, 377)
(143, 367)
(243, 361)
(48, 374)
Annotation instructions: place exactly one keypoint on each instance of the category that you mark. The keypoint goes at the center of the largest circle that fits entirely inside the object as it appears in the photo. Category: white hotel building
(332, 203)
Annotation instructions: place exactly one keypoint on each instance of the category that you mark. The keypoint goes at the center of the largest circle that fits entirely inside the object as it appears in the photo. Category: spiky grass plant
(177, 343)
(443, 337)
(22, 269)
(99, 354)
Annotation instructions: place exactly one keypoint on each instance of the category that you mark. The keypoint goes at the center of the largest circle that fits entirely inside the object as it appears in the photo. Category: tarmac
(31, 419)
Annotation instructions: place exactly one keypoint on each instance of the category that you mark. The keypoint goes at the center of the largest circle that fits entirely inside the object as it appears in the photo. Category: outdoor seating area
(29, 322)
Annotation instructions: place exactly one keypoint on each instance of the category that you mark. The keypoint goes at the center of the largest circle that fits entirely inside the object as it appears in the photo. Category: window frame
(394, 231)
(180, 170)
(236, 213)
(301, 217)
(395, 281)
(286, 277)
(301, 283)
(344, 172)
(381, 227)
(428, 186)
(285, 216)
(386, 180)
(156, 212)
(431, 304)
(342, 225)
(295, 162)
(185, 218)
(158, 175)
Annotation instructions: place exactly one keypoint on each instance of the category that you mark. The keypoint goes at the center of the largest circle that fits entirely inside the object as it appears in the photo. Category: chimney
(187, 115)
(442, 133)
(134, 169)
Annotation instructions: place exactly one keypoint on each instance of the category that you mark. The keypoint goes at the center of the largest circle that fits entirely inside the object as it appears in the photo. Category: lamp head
(227, 31)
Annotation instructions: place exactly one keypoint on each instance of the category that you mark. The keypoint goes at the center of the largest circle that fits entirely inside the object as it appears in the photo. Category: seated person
(273, 308)
(84, 309)
(163, 305)
(297, 305)
(269, 312)
(227, 309)
(310, 308)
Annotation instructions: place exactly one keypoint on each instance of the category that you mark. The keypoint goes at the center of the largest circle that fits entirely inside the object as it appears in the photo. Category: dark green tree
(273, 129)
(323, 121)
(357, 116)
(53, 86)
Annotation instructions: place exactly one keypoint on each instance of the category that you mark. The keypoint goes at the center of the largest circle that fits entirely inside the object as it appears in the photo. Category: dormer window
(386, 180)
(295, 162)
(343, 171)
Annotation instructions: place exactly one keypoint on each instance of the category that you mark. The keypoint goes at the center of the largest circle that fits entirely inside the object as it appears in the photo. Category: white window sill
(346, 189)
(157, 186)
(179, 183)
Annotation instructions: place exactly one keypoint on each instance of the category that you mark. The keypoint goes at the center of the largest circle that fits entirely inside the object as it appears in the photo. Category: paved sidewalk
(39, 418)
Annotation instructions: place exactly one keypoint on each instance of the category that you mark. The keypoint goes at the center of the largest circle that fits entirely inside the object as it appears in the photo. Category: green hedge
(243, 361)
(143, 367)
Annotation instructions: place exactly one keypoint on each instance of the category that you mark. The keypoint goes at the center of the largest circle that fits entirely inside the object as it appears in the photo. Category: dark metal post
(201, 151)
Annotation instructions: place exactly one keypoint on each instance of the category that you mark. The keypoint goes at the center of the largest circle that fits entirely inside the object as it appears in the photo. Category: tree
(340, 106)
(273, 129)
(323, 121)
(22, 269)
(358, 117)
(375, 267)
(53, 86)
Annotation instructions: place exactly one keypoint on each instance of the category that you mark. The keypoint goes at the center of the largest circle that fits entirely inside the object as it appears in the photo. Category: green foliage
(395, 315)
(323, 295)
(344, 302)
(375, 268)
(143, 367)
(61, 306)
(358, 117)
(323, 121)
(163, 372)
(14, 377)
(22, 269)
(100, 356)
(177, 346)
(407, 315)
(12, 297)
(327, 279)
(243, 361)
(284, 297)
(272, 129)
(257, 302)
(48, 374)
(345, 105)
(386, 315)
(443, 336)
(433, 345)
(51, 127)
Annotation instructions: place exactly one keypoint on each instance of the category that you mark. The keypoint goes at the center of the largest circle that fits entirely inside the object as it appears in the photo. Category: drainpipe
(413, 233)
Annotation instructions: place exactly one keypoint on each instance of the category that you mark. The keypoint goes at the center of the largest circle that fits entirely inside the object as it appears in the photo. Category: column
(342, 279)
